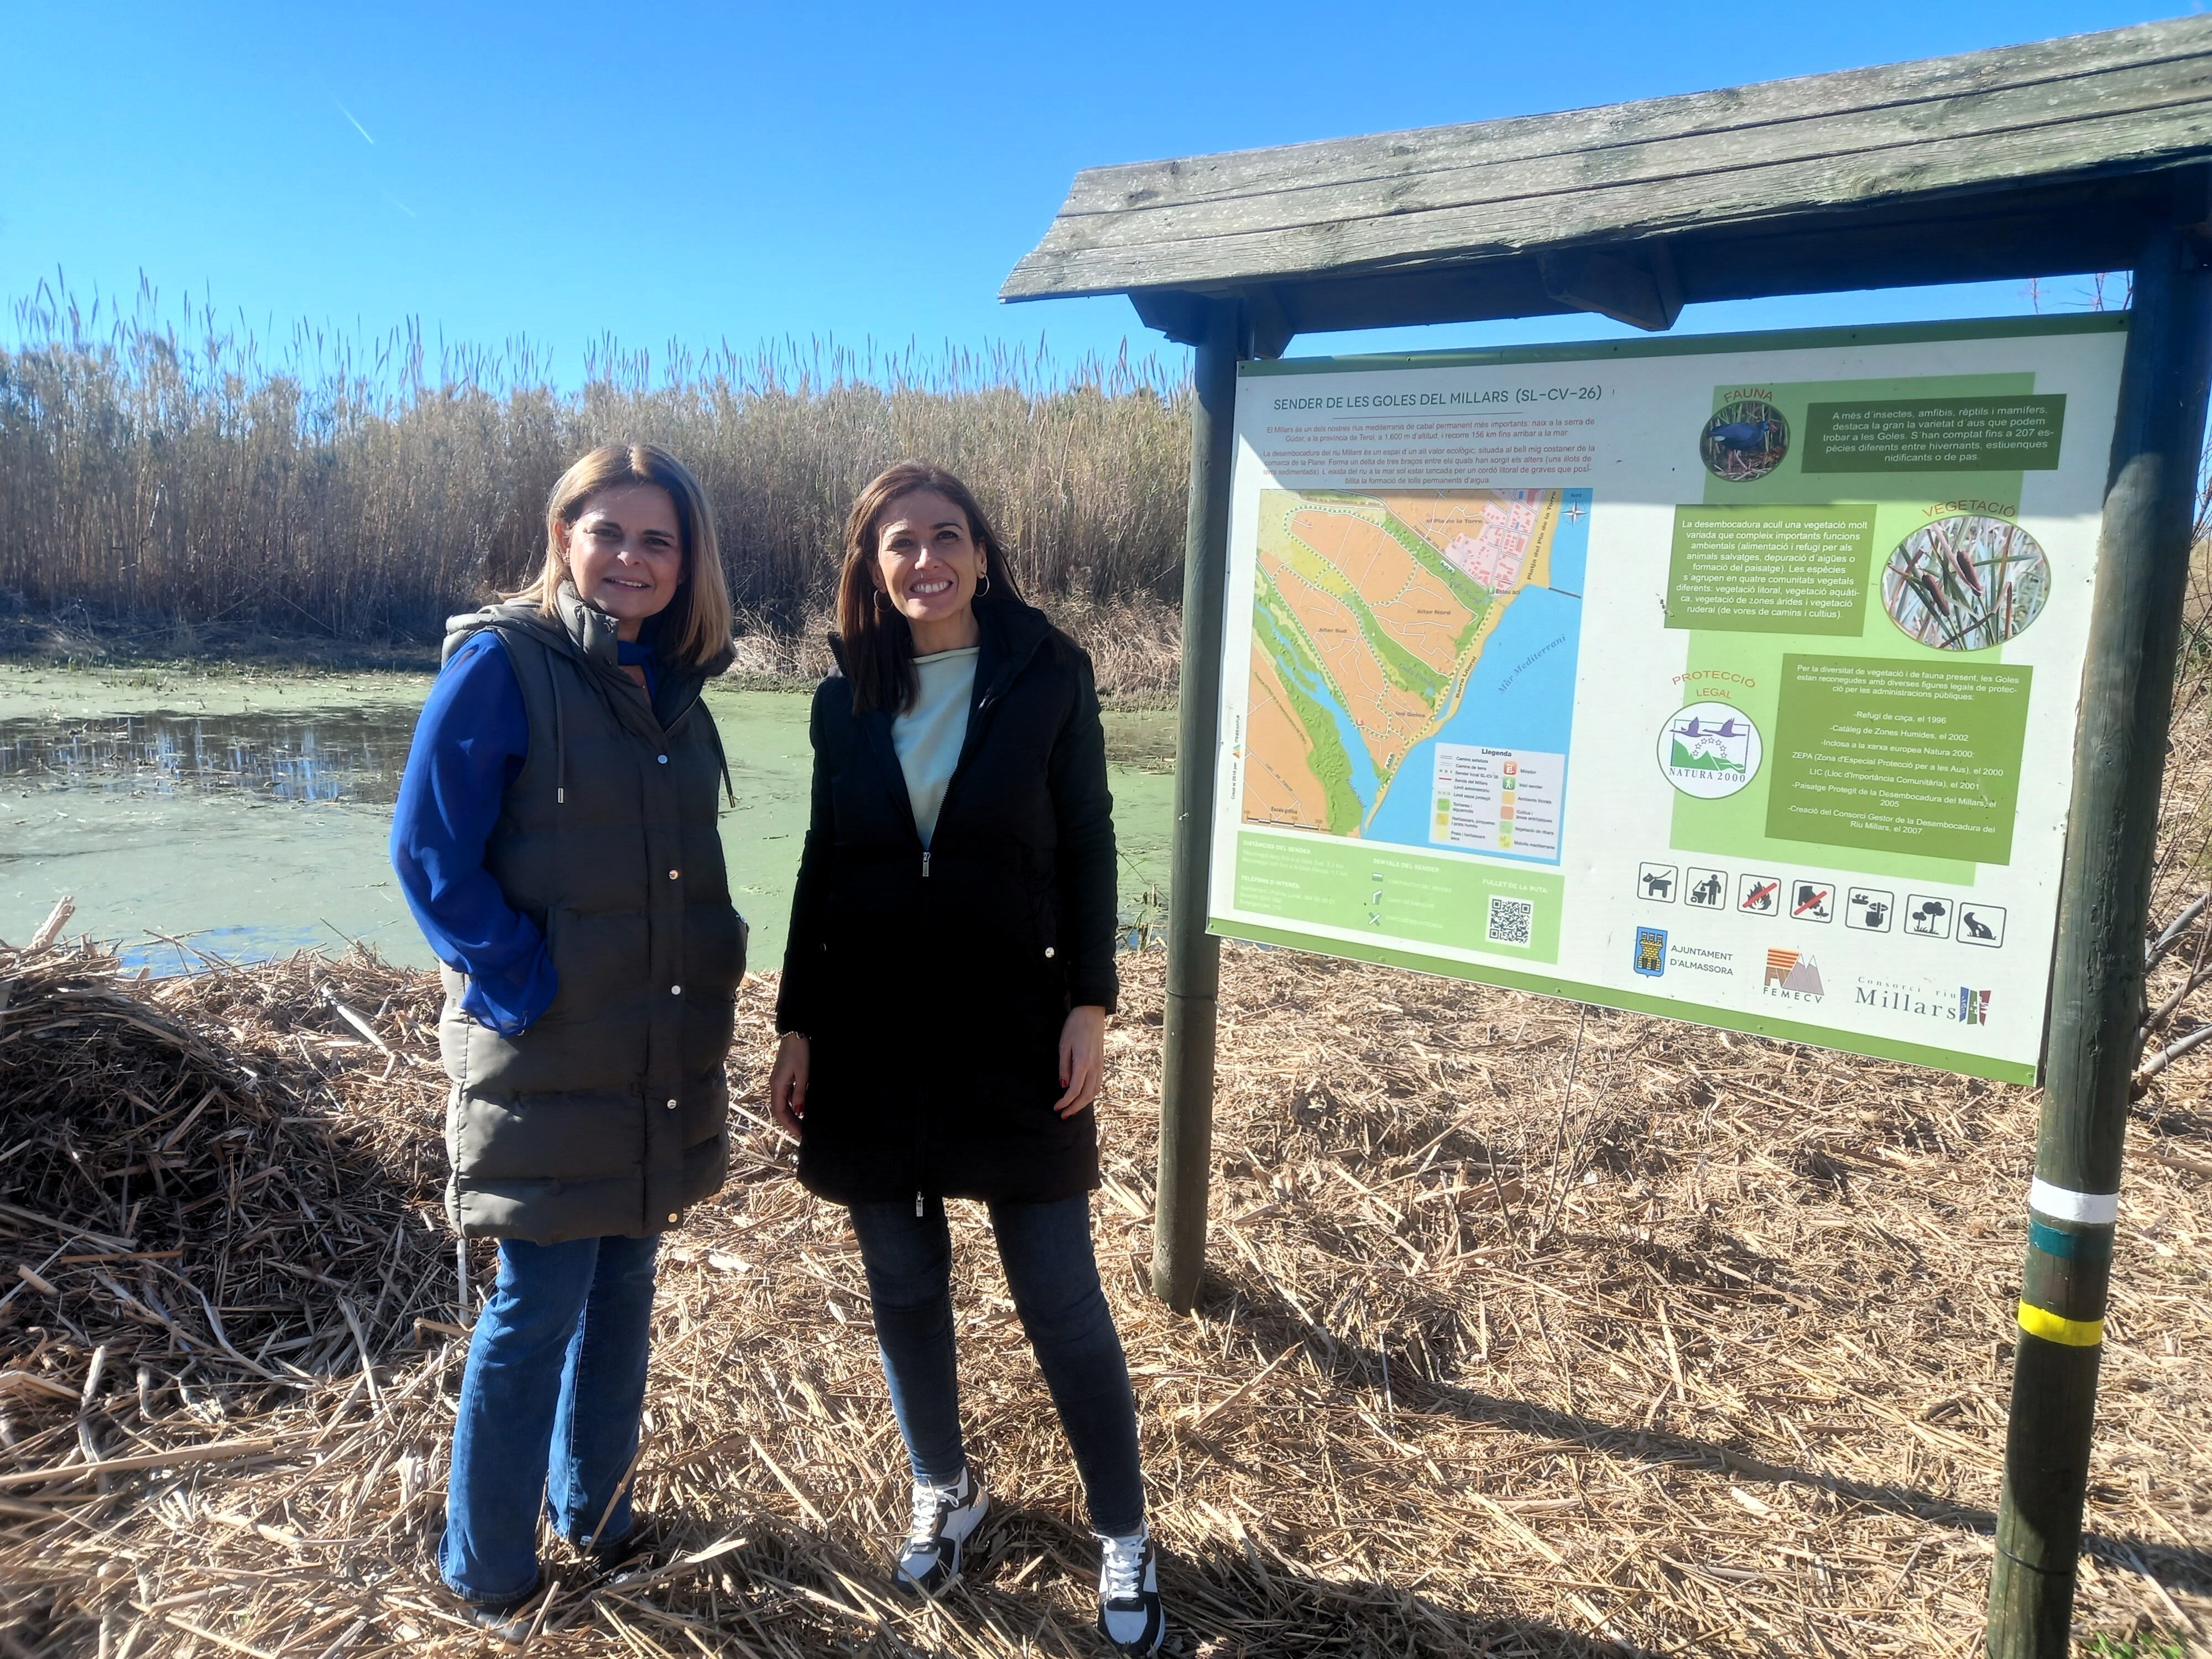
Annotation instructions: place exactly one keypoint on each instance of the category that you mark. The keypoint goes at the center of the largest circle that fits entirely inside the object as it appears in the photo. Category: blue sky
(721, 172)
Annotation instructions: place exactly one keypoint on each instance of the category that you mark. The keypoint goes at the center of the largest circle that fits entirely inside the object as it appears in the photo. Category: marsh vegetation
(355, 488)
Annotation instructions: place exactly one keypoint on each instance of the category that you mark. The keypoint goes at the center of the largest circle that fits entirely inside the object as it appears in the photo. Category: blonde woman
(555, 838)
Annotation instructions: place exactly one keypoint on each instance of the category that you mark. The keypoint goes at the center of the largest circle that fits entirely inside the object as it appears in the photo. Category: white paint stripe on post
(2084, 1209)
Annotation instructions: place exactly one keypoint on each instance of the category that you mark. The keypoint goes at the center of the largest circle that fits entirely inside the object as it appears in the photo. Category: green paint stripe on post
(2091, 1245)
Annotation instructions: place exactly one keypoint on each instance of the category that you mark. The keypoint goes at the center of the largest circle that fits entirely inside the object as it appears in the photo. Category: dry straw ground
(1528, 1329)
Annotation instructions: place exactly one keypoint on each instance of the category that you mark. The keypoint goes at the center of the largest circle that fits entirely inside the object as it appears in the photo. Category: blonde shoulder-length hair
(696, 628)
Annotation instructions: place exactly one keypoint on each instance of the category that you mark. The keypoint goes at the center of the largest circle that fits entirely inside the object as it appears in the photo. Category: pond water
(245, 816)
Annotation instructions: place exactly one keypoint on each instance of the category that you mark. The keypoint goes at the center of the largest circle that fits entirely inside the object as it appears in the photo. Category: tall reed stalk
(365, 489)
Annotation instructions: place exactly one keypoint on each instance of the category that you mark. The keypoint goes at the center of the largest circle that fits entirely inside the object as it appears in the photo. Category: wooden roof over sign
(2028, 161)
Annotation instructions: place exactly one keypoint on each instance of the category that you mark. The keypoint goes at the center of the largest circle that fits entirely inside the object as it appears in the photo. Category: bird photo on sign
(1744, 440)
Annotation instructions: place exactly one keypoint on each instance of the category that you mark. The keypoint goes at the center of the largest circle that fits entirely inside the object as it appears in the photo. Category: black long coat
(933, 987)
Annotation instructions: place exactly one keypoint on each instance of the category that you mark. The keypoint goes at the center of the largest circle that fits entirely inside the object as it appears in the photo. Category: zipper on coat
(927, 1104)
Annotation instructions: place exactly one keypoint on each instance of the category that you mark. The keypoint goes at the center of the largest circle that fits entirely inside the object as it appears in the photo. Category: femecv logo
(1793, 976)
(1966, 1006)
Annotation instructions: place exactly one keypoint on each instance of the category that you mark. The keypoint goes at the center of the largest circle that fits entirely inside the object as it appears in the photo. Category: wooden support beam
(2127, 696)
(2050, 230)
(1194, 955)
(1637, 285)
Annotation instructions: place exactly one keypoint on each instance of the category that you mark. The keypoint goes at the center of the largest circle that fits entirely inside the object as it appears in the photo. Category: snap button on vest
(1048, 953)
(672, 875)
(663, 761)
(676, 990)
(672, 1105)
(671, 1216)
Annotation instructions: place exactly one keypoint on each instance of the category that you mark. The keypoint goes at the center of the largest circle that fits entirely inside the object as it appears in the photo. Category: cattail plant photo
(1965, 583)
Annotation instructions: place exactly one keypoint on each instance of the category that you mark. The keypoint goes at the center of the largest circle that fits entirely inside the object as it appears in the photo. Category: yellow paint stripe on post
(2073, 1332)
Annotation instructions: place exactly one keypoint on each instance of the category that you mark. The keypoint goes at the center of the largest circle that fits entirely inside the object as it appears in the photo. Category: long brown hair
(878, 644)
(695, 629)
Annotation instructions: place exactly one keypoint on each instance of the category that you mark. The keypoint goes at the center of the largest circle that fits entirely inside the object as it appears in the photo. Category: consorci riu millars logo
(1709, 749)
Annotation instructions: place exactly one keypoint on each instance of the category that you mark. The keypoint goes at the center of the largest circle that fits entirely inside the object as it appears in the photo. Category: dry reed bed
(1135, 646)
(364, 489)
(1527, 1330)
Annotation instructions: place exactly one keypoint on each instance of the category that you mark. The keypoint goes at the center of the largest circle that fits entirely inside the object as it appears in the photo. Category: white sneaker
(1129, 1614)
(943, 1518)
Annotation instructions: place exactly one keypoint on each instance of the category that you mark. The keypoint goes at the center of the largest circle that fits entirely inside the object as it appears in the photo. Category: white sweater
(929, 736)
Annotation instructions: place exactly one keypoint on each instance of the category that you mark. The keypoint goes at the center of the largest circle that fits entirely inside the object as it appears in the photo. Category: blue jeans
(549, 1409)
(1046, 1251)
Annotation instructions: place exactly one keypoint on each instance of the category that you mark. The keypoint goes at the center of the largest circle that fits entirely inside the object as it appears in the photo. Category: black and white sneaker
(943, 1519)
(1129, 1614)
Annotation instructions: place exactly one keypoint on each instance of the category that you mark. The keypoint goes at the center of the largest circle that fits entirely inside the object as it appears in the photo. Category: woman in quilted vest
(945, 988)
(555, 838)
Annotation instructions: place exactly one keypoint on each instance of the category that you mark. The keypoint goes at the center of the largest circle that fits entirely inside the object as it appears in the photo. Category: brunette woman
(946, 990)
(555, 838)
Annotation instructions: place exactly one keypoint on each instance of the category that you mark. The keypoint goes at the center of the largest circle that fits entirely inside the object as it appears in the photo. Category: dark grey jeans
(1046, 1251)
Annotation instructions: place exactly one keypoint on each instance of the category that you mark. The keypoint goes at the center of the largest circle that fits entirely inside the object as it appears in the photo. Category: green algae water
(246, 816)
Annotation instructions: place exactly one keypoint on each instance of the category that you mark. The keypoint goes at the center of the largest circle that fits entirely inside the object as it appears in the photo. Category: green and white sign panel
(1732, 679)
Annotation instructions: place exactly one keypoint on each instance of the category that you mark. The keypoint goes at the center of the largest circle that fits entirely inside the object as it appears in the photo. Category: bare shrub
(1135, 644)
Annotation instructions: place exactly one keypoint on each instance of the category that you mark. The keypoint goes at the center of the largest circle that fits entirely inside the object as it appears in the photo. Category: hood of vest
(580, 631)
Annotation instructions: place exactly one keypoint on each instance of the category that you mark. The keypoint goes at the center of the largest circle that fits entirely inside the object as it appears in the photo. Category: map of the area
(1414, 665)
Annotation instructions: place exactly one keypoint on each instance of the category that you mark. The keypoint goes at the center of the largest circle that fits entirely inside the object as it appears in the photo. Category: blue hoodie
(470, 744)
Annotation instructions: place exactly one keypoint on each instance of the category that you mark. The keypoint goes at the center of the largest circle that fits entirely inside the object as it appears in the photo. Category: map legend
(1497, 800)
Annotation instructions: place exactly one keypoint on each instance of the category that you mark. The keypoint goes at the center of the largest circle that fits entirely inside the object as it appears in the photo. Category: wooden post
(1194, 955)
(2097, 983)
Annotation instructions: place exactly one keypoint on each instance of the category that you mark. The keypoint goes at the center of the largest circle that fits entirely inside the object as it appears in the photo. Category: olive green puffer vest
(606, 1116)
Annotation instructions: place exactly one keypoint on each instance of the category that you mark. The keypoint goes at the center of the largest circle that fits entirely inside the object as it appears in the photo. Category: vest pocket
(714, 937)
(560, 924)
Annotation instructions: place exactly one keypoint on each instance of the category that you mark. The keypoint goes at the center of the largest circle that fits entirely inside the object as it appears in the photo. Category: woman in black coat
(946, 990)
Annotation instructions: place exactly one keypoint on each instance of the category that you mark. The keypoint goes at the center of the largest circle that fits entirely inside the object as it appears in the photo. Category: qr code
(1509, 921)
